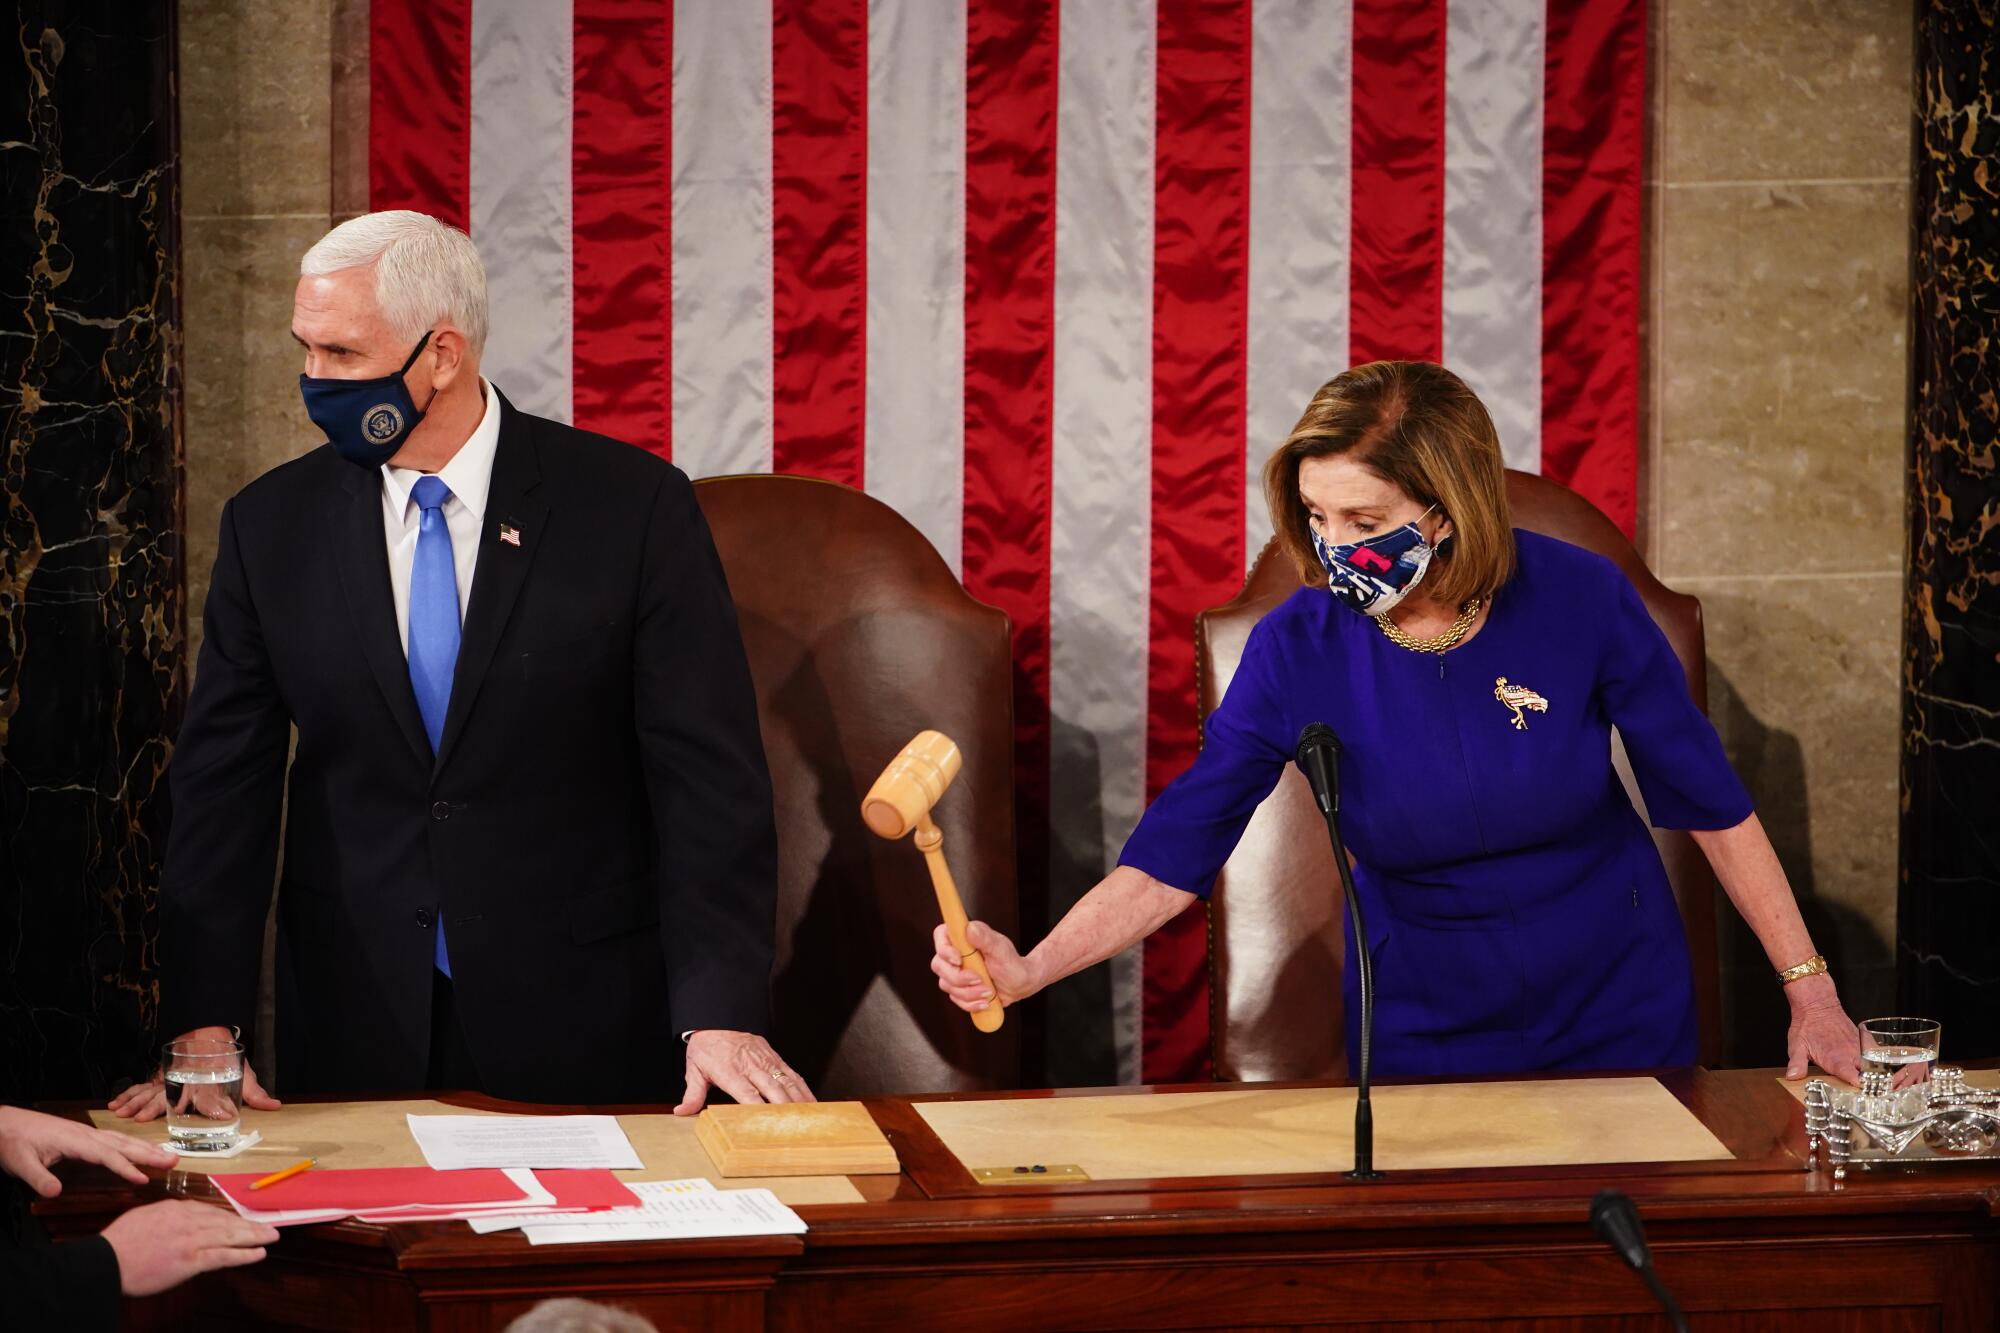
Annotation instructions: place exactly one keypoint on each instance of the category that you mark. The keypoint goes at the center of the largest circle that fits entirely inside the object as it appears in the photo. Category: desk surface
(1750, 1231)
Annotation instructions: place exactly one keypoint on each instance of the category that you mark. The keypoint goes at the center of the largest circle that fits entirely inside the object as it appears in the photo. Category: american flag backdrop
(1051, 277)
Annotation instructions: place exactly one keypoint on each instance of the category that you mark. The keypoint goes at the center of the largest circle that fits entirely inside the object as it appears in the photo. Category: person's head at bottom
(568, 1314)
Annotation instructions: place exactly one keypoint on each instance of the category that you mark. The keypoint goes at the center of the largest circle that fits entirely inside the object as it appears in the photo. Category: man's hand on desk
(164, 1244)
(148, 1101)
(743, 1065)
(31, 1143)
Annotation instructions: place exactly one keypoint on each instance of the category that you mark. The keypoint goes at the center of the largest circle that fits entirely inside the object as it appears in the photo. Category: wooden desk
(1750, 1243)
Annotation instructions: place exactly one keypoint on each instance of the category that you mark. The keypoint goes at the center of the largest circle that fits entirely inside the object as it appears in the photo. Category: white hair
(426, 271)
(569, 1314)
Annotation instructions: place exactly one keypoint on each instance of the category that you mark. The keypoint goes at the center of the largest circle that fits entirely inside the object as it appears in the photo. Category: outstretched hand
(164, 1244)
(31, 1143)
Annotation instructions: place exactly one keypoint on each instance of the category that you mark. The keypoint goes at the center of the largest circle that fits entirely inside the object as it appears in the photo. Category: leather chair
(1275, 922)
(859, 637)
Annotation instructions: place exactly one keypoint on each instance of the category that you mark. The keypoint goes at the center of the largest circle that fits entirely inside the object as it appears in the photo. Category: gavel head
(911, 784)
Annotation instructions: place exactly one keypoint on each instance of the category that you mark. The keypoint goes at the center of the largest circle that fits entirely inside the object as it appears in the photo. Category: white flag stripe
(518, 196)
(1101, 520)
(1301, 137)
(1493, 213)
(722, 320)
(914, 433)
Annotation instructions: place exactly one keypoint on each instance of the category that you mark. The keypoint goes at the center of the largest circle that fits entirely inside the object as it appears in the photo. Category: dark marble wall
(1949, 908)
(92, 624)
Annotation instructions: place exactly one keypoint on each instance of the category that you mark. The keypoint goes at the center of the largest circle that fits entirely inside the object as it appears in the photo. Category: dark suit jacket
(71, 1286)
(595, 829)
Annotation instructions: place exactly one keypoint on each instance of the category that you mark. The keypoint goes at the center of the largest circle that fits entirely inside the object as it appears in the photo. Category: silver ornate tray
(1878, 1126)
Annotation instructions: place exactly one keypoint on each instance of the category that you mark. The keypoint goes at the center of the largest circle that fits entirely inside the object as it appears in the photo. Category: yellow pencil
(285, 1174)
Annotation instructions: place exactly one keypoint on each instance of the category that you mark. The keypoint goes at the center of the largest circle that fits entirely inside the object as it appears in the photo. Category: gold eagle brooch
(1516, 698)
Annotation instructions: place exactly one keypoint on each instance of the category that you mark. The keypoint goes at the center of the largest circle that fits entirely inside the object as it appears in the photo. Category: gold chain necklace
(1443, 642)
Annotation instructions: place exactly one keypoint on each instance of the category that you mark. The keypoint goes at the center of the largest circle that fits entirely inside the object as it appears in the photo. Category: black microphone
(1615, 1217)
(1318, 757)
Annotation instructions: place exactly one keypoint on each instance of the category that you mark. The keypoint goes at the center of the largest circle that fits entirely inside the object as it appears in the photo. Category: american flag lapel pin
(510, 534)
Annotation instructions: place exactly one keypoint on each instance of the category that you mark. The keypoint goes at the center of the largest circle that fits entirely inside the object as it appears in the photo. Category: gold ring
(781, 1076)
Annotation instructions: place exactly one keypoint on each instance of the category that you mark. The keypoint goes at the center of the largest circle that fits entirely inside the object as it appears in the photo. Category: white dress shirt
(468, 476)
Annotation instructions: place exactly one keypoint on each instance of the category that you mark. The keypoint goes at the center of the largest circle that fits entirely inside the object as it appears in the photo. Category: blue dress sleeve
(1683, 773)
(1193, 826)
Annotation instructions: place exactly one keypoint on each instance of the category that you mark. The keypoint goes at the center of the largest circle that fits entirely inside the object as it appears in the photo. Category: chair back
(859, 636)
(1276, 941)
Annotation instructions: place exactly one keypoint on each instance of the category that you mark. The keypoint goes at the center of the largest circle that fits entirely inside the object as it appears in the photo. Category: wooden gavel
(901, 801)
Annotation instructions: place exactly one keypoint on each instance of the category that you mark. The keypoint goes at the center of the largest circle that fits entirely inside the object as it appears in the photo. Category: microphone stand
(1317, 750)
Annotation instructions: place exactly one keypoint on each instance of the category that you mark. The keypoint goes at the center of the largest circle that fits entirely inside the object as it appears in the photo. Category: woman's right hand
(1012, 976)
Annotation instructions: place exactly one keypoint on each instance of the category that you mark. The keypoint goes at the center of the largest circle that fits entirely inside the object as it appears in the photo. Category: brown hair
(1416, 425)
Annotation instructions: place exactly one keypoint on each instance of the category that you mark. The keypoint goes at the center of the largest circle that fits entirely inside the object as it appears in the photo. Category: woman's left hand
(1821, 1033)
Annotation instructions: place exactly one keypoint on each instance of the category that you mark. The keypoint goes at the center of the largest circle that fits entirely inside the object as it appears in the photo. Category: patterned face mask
(1374, 576)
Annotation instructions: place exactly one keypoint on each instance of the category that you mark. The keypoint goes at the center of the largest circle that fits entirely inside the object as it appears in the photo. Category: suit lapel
(364, 581)
(501, 567)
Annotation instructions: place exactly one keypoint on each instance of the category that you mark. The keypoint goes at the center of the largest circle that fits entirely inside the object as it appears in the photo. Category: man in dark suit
(528, 842)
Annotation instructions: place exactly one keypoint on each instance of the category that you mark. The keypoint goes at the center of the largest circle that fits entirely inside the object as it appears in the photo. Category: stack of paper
(667, 1210)
(420, 1193)
(461, 1142)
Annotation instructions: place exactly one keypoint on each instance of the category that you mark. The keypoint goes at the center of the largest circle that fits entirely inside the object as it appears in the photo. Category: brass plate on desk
(1038, 1174)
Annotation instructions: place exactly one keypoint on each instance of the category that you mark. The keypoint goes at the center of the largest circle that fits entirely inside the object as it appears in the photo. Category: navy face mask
(366, 421)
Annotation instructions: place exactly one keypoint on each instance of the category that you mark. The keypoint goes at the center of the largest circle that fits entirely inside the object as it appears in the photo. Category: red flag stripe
(1010, 231)
(1396, 294)
(1200, 333)
(420, 108)
(1593, 153)
(819, 153)
(622, 127)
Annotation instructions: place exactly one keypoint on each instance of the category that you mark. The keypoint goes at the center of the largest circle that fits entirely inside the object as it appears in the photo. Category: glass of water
(1903, 1048)
(204, 1084)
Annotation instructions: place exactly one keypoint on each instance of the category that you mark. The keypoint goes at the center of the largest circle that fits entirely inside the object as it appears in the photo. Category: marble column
(1949, 909)
(92, 624)
(1780, 183)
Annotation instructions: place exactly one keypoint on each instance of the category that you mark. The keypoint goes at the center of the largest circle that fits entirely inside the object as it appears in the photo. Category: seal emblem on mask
(382, 423)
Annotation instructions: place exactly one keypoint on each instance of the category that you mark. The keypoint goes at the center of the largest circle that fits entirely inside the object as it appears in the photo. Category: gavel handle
(930, 841)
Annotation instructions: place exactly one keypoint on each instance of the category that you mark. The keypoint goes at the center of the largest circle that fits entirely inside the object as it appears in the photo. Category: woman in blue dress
(1519, 913)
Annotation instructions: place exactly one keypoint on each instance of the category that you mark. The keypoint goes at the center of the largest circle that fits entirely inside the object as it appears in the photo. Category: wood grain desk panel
(377, 1134)
(1750, 1243)
(1289, 1131)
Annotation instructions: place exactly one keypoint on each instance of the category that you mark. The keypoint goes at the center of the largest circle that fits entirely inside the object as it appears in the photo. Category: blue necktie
(434, 628)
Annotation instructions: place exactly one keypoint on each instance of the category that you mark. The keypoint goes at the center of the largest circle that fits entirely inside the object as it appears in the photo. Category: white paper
(645, 1189)
(250, 1140)
(668, 1214)
(285, 1217)
(459, 1142)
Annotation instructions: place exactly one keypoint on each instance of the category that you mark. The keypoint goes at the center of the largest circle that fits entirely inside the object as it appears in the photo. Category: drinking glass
(1903, 1048)
(204, 1084)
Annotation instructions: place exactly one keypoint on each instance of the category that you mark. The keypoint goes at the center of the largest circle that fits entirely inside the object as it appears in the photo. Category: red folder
(589, 1190)
(374, 1188)
(585, 1190)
